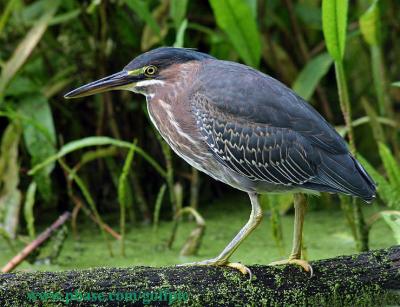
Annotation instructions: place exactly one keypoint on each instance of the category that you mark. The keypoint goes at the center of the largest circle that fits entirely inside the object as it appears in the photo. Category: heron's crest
(166, 56)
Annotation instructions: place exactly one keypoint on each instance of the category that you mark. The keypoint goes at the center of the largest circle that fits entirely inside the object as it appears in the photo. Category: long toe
(216, 262)
(302, 263)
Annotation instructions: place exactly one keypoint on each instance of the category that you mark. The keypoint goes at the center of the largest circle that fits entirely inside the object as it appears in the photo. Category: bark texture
(367, 279)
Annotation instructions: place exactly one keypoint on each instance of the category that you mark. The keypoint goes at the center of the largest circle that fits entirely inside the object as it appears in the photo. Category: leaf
(28, 209)
(96, 141)
(280, 59)
(122, 197)
(177, 11)
(236, 19)
(392, 218)
(370, 25)
(396, 84)
(6, 13)
(89, 199)
(26, 46)
(309, 77)
(391, 166)
(387, 193)
(64, 17)
(6, 236)
(309, 14)
(157, 207)
(377, 130)
(142, 10)
(334, 23)
(41, 143)
(10, 196)
(253, 6)
(180, 35)
(160, 15)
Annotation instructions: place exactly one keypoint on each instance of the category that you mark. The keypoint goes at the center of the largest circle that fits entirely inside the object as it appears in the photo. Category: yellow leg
(223, 258)
(300, 205)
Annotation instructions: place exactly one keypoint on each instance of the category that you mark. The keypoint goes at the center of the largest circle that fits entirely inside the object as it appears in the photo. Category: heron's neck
(148, 87)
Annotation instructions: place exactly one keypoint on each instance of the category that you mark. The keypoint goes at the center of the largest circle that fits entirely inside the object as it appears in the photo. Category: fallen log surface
(366, 279)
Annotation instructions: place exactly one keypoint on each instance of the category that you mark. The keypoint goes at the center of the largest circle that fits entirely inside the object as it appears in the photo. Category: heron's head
(141, 73)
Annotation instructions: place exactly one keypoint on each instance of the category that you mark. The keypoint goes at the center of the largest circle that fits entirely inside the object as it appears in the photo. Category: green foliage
(180, 34)
(334, 24)
(392, 218)
(49, 47)
(40, 143)
(386, 191)
(157, 207)
(122, 196)
(140, 7)
(27, 45)
(239, 24)
(391, 166)
(178, 11)
(28, 210)
(10, 195)
(311, 75)
(94, 141)
(376, 126)
(370, 24)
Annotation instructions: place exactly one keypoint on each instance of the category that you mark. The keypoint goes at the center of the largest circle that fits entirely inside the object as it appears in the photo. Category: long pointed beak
(109, 83)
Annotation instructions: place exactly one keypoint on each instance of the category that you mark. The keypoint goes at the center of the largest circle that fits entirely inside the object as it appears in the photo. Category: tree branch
(367, 279)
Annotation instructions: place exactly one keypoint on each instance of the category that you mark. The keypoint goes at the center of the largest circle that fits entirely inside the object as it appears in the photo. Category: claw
(215, 262)
(242, 268)
(304, 264)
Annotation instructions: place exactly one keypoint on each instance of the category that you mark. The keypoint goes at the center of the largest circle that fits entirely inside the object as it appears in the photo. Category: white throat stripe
(149, 82)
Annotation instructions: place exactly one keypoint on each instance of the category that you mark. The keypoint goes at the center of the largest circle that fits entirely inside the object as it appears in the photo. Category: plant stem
(361, 232)
(345, 102)
(378, 75)
(194, 189)
(361, 228)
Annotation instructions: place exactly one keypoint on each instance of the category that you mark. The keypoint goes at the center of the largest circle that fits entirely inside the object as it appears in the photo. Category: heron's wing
(257, 151)
(253, 96)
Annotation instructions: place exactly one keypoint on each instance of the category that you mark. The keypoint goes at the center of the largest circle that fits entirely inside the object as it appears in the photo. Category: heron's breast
(177, 127)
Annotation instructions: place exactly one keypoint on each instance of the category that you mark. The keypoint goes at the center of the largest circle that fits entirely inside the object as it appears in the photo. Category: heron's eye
(150, 71)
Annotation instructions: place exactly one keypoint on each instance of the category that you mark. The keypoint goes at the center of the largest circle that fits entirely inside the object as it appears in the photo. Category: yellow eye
(150, 70)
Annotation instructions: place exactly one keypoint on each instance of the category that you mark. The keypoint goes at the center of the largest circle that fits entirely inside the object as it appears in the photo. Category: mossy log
(367, 279)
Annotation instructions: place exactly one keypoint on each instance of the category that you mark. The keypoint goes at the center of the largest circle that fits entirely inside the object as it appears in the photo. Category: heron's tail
(343, 173)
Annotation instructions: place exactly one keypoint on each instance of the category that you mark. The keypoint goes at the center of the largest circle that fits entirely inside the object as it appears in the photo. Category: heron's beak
(113, 82)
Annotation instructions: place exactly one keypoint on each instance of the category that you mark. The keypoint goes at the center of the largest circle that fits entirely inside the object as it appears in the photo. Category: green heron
(243, 128)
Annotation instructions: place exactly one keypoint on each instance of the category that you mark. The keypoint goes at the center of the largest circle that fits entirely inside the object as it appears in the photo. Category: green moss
(326, 235)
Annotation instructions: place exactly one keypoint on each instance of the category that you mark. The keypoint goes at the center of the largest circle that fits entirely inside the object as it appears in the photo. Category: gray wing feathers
(262, 130)
(262, 99)
(258, 152)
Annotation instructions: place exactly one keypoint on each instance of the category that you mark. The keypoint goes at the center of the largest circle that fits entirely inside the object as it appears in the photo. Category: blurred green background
(133, 201)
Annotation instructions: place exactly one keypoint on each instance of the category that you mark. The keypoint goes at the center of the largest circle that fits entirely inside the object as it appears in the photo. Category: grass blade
(177, 11)
(157, 206)
(236, 19)
(391, 166)
(122, 194)
(26, 46)
(334, 23)
(370, 25)
(28, 209)
(308, 79)
(96, 141)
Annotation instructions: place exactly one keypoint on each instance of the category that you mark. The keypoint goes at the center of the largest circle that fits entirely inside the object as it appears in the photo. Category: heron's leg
(222, 259)
(300, 205)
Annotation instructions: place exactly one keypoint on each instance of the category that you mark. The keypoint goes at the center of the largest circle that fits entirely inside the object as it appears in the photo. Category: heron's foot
(218, 262)
(302, 263)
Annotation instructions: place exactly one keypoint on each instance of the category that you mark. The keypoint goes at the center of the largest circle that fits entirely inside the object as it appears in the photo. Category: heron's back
(262, 131)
